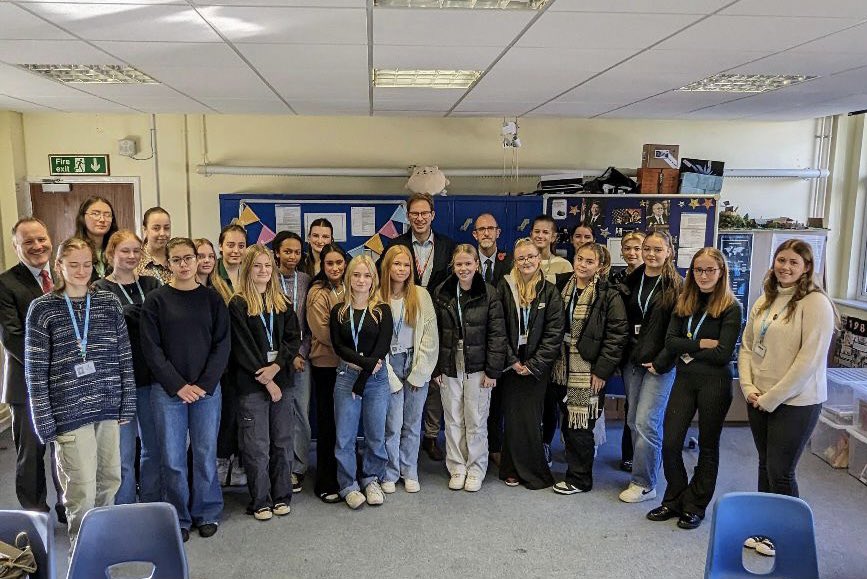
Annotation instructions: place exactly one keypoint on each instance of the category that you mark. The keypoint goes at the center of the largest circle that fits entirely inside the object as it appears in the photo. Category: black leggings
(780, 438)
(326, 433)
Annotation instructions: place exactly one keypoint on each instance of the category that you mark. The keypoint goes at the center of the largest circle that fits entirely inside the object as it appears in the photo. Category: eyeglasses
(187, 260)
(525, 258)
(489, 229)
(107, 215)
(699, 271)
(420, 214)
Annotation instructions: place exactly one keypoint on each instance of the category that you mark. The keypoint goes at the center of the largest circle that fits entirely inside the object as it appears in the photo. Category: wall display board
(738, 251)
(850, 349)
(690, 219)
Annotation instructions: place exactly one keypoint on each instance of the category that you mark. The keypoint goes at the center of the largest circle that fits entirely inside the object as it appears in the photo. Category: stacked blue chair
(40, 531)
(146, 532)
(787, 521)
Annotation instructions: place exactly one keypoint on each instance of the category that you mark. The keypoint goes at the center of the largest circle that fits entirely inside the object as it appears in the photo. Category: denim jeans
(371, 409)
(174, 420)
(142, 426)
(648, 396)
(403, 424)
(300, 395)
(266, 447)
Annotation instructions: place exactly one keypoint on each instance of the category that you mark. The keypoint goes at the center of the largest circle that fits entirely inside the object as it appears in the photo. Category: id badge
(760, 350)
(397, 349)
(637, 329)
(84, 369)
(272, 355)
(460, 361)
(686, 358)
(522, 340)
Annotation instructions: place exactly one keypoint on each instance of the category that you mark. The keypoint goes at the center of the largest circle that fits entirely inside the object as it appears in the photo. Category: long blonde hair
(720, 298)
(526, 290)
(63, 250)
(671, 280)
(410, 298)
(373, 297)
(218, 283)
(274, 300)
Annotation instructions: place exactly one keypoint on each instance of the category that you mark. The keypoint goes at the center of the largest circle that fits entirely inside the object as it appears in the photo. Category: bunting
(399, 215)
(247, 217)
(266, 235)
(389, 230)
(375, 244)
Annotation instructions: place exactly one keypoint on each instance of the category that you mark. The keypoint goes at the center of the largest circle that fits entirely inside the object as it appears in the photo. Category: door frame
(134, 181)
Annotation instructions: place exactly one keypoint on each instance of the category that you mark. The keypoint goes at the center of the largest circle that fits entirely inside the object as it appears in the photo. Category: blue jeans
(647, 395)
(371, 409)
(149, 464)
(174, 419)
(300, 394)
(403, 424)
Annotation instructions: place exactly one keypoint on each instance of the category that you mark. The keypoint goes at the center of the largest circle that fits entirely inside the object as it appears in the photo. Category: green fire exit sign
(78, 164)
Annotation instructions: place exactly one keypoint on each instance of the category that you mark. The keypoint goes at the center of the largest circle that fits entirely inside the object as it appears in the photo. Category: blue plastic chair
(787, 521)
(39, 529)
(147, 532)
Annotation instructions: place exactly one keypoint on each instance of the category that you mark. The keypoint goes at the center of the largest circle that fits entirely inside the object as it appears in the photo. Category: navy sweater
(185, 337)
(60, 401)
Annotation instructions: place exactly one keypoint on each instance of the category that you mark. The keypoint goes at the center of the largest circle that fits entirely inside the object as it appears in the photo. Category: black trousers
(711, 396)
(227, 435)
(523, 457)
(266, 430)
(495, 421)
(326, 430)
(550, 414)
(626, 448)
(780, 438)
(580, 444)
(30, 483)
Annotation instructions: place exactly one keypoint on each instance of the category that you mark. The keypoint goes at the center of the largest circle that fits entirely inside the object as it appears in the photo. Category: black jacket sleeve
(553, 329)
(495, 360)
(11, 324)
(245, 352)
(616, 337)
(728, 337)
(675, 342)
(290, 343)
(505, 295)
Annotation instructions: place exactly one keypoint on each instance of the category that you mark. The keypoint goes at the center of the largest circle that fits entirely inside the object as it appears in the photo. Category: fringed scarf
(573, 370)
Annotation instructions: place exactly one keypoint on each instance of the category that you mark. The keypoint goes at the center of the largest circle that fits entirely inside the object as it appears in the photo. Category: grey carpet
(503, 531)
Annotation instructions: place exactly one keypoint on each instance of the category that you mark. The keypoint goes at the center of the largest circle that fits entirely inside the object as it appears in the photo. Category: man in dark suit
(657, 216)
(493, 264)
(432, 253)
(19, 286)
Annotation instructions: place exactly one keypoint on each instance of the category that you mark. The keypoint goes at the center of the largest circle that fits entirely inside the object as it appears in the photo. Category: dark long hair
(321, 278)
(307, 264)
(81, 227)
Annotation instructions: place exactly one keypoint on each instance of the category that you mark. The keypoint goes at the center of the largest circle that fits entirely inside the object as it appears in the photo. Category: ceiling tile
(835, 8)
(20, 24)
(289, 25)
(286, 3)
(434, 57)
(143, 54)
(448, 27)
(173, 104)
(580, 30)
(20, 83)
(82, 103)
(142, 2)
(573, 109)
(806, 63)
(673, 103)
(12, 104)
(648, 6)
(509, 108)
(52, 52)
(247, 106)
(421, 97)
(570, 62)
(212, 82)
(853, 39)
(128, 21)
(331, 107)
(120, 91)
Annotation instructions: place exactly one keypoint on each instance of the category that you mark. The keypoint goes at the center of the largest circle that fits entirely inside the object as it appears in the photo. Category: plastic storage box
(858, 455)
(830, 442)
(859, 416)
(840, 406)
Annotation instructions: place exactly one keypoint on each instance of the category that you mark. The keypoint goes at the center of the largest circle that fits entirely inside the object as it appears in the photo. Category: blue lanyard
(646, 305)
(269, 328)
(689, 332)
(82, 341)
(294, 289)
(399, 324)
(460, 311)
(525, 314)
(356, 334)
(127, 296)
(763, 328)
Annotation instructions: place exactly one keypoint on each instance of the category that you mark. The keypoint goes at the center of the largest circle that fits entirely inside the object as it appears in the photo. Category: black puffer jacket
(484, 328)
(546, 324)
(648, 345)
(606, 331)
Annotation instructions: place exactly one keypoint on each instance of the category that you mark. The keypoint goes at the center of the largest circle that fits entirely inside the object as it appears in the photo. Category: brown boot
(429, 445)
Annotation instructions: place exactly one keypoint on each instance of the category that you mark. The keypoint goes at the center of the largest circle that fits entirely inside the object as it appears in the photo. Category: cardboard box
(660, 157)
(658, 181)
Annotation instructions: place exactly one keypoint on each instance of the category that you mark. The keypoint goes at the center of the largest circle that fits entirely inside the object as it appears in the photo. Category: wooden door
(58, 210)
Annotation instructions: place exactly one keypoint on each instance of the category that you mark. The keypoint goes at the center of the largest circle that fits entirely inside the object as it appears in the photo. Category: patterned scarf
(573, 370)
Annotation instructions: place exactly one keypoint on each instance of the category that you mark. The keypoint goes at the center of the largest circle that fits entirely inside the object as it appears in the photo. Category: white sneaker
(473, 483)
(636, 494)
(374, 494)
(354, 499)
(411, 485)
(223, 471)
(457, 481)
(387, 486)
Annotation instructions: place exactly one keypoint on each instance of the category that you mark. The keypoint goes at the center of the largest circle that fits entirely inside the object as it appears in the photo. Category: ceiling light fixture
(466, 4)
(745, 82)
(91, 73)
(385, 78)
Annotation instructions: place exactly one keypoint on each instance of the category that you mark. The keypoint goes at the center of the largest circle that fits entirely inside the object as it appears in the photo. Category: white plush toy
(428, 180)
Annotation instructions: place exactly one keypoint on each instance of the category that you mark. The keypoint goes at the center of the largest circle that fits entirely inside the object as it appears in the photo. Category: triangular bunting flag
(247, 217)
(389, 230)
(399, 215)
(266, 235)
(375, 243)
(356, 251)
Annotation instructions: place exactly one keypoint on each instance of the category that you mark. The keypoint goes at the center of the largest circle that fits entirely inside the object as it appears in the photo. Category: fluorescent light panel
(466, 4)
(385, 78)
(745, 83)
(91, 73)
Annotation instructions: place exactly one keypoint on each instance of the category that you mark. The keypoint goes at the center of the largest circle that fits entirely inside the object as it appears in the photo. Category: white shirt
(37, 273)
(487, 262)
(405, 333)
(424, 257)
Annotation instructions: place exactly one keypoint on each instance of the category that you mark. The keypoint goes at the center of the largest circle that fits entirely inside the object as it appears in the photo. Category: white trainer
(636, 494)
(387, 486)
(374, 494)
(411, 485)
(473, 483)
(354, 499)
(457, 481)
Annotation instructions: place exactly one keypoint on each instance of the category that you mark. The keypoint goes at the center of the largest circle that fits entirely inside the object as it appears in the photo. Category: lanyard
(525, 314)
(399, 324)
(689, 332)
(763, 328)
(460, 311)
(356, 334)
(82, 341)
(572, 302)
(335, 292)
(650, 295)
(418, 265)
(127, 296)
(294, 289)
(269, 328)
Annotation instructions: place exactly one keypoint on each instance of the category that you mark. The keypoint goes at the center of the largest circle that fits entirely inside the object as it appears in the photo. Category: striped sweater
(60, 401)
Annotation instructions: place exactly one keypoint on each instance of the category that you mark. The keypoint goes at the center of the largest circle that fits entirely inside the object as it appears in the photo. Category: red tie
(47, 284)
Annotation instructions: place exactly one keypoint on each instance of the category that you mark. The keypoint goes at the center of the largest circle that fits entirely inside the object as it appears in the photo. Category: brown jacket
(320, 300)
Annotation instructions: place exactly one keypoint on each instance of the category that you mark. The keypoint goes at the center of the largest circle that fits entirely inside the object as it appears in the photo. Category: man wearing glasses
(494, 264)
(431, 253)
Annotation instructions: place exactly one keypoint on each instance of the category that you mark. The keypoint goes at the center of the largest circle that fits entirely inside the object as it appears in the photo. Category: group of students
(159, 340)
